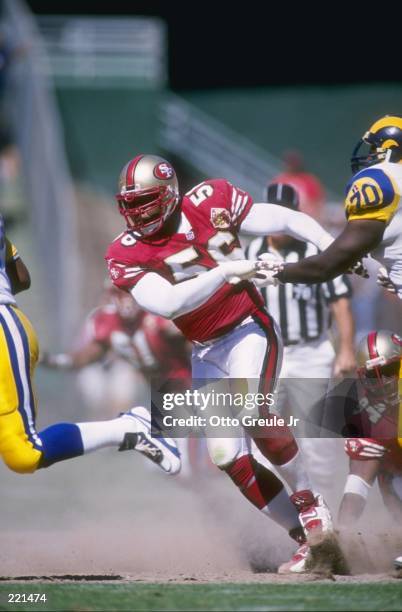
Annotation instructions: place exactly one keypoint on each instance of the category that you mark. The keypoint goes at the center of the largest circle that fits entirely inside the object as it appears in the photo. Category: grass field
(229, 596)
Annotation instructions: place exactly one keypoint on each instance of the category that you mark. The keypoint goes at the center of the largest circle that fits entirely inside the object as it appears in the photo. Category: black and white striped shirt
(299, 309)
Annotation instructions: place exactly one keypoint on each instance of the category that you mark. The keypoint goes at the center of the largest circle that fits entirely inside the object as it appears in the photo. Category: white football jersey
(7, 253)
(376, 193)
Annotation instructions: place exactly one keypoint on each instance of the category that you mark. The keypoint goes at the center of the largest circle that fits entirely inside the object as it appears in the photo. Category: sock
(67, 440)
(60, 442)
(105, 433)
(294, 473)
(264, 490)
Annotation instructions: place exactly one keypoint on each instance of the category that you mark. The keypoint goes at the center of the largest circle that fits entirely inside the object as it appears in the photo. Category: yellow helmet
(384, 139)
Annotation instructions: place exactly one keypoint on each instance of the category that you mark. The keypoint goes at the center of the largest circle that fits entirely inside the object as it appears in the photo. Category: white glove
(239, 269)
(265, 278)
(271, 262)
(384, 280)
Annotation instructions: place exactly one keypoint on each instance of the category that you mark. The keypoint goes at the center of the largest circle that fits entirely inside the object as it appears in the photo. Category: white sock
(281, 510)
(295, 474)
(100, 434)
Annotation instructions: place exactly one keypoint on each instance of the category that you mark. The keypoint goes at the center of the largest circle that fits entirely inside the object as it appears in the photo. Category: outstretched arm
(158, 296)
(75, 360)
(357, 239)
(269, 219)
(345, 361)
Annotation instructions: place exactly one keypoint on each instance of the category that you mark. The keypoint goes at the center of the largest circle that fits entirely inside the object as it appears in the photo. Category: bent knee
(223, 455)
(17, 451)
(22, 465)
(21, 458)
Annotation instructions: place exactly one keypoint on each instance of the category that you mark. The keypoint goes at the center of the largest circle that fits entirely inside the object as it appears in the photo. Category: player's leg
(130, 431)
(362, 475)
(321, 447)
(20, 445)
(23, 449)
(277, 443)
(258, 484)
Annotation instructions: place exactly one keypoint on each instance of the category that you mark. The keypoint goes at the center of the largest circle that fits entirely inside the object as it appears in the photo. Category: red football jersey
(152, 344)
(211, 214)
(380, 422)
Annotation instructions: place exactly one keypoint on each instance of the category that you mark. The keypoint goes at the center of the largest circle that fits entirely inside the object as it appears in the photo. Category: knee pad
(278, 450)
(224, 451)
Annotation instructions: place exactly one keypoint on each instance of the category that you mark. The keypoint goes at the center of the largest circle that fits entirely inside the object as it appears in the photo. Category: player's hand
(45, 359)
(345, 363)
(265, 278)
(271, 262)
(58, 361)
(364, 448)
(359, 269)
(240, 269)
(384, 280)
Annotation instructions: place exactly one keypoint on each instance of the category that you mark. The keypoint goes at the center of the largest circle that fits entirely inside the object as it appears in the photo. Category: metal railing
(213, 148)
(105, 51)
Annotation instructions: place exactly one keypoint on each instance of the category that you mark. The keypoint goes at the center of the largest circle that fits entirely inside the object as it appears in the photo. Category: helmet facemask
(373, 155)
(384, 140)
(148, 194)
(146, 210)
(381, 381)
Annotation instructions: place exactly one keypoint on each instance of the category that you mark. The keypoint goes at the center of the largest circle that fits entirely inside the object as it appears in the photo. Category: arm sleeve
(240, 204)
(265, 219)
(124, 276)
(156, 295)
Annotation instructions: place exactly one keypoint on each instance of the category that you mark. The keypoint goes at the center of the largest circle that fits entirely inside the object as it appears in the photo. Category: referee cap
(283, 194)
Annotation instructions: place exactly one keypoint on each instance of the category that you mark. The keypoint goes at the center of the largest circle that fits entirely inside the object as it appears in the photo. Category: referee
(304, 314)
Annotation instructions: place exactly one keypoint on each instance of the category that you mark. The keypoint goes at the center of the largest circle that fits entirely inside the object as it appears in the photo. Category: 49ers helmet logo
(396, 339)
(163, 171)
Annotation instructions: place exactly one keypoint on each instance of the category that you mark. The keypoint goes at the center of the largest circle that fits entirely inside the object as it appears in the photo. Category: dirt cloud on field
(113, 512)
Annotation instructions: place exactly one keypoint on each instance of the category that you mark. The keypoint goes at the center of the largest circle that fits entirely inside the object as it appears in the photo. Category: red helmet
(379, 357)
(148, 193)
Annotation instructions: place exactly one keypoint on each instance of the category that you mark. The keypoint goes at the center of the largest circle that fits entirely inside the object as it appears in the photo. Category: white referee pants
(252, 350)
(302, 387)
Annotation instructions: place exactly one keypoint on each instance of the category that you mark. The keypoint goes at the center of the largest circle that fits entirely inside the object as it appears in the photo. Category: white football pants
(251, 350)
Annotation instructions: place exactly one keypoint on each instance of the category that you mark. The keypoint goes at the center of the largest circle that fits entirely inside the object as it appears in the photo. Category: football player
(373, 210)
(151, 344)
(22, 447)
(180, 258)
(374, 451)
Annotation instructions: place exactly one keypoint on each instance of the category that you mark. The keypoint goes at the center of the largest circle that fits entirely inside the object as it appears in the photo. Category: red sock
(258, 484)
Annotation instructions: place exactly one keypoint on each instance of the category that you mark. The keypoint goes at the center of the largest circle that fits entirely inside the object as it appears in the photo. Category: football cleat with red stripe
(297, 564)
(314, 514)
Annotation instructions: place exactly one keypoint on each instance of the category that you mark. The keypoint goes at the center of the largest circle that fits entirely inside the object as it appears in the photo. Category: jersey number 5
(188, 263)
